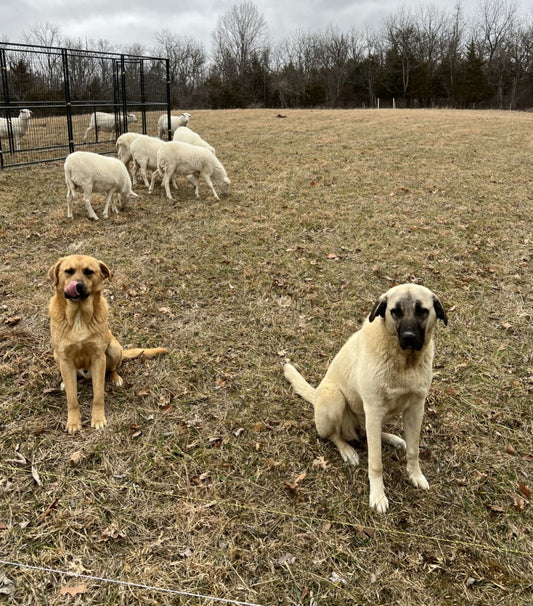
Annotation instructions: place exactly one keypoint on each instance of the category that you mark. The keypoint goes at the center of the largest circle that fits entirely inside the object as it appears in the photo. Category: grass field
(209, 478)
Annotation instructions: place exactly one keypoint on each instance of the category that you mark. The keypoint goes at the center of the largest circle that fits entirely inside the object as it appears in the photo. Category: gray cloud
(126, 22)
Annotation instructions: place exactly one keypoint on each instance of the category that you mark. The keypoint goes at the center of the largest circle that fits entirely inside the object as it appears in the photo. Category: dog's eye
(421, 311)
(396, 312)
(88, 272)
(69, 271)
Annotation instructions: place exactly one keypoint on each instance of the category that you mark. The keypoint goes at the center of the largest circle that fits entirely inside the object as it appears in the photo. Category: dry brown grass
(186, 487)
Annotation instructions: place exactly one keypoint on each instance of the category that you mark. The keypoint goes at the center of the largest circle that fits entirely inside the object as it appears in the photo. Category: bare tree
(49, 64)
(187, 60)
(498, 27)
(240, 35)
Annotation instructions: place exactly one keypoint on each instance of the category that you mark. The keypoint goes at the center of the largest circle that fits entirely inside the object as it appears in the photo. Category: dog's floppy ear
(106, 272)
(439, 310)
(53, 272)
(379, 309)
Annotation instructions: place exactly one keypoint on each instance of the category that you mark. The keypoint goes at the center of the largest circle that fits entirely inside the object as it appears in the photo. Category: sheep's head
(224, 185)
(25, 113)
(132, 118)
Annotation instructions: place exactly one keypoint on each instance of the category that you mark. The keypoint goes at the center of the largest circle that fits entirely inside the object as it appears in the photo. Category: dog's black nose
(410, 340)
(76, 290)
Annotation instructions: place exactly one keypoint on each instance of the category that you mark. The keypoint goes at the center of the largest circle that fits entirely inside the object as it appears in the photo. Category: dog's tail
(136, 352)
(300, 385)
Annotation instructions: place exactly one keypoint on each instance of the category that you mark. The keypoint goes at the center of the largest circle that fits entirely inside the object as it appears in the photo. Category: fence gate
(49, 97)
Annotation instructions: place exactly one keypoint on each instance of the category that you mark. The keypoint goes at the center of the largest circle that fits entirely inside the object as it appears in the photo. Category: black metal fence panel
(54, 101)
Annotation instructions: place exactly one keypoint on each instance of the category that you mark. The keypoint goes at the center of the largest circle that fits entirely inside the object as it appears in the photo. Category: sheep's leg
(70, 198)
(155, 175)
(194, 180)
(207, 179)
(133, 172)
(166, 183)
(87, 202)
(114, 206)
(144, 175)
(108, 200)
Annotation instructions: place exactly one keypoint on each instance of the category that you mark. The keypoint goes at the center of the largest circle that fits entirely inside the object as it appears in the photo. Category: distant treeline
(431, 57)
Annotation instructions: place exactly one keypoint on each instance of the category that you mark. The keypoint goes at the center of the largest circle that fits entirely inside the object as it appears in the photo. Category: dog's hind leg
(113, 356)
(332, 421)
(393, 440)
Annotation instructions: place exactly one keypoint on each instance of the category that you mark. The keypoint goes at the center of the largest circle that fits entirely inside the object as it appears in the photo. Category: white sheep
(19, 126)
(175, 121)
(93, 173)
(191, 161)
(124, 154)
(103, 122)
(186, 135)
(143, 152)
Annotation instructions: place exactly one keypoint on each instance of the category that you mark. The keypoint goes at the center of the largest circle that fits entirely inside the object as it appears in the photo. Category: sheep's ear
(379, 309)
(106, 272)
(53, 272)
(439, 310)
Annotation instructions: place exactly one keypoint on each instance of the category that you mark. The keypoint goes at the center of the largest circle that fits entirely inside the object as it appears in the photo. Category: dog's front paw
(73, 424)
(379, 502)
(98, 421)
(419, 480)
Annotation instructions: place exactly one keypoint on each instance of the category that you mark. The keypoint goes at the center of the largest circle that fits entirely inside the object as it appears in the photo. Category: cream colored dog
(383, 370)
(82, 342)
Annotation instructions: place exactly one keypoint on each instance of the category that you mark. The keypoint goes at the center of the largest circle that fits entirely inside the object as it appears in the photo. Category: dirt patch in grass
(192, 486)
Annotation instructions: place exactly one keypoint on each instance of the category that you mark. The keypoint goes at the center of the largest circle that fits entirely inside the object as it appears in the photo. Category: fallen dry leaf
(320, 462)
(35, 476)
(286, 559)
(7, 586)
(77, 456)
(368, 532)
(74, 590)
(112, 532)
(49, 509)
(510, 450)
(519, 502)
(525, 491)
(294, 484)
(13, 321)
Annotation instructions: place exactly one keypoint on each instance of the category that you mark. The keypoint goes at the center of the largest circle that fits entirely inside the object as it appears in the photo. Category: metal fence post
(123, 94)
(5, 93)
(167, 69)
(68, 102)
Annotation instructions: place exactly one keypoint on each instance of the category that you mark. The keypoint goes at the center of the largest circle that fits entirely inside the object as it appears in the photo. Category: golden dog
(81, 339)
(382, 371)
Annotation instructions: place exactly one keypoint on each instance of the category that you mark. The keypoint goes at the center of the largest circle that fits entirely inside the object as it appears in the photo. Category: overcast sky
(126, 22)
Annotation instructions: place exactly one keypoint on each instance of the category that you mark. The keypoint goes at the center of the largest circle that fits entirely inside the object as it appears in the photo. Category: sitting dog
(383, 370)
(82, 342)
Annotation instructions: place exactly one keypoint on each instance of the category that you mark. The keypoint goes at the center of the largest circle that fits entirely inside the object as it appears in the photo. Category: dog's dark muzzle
(411, 337)
(76, 291)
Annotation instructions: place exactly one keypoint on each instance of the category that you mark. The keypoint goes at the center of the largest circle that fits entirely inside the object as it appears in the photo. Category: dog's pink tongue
(72, 289)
